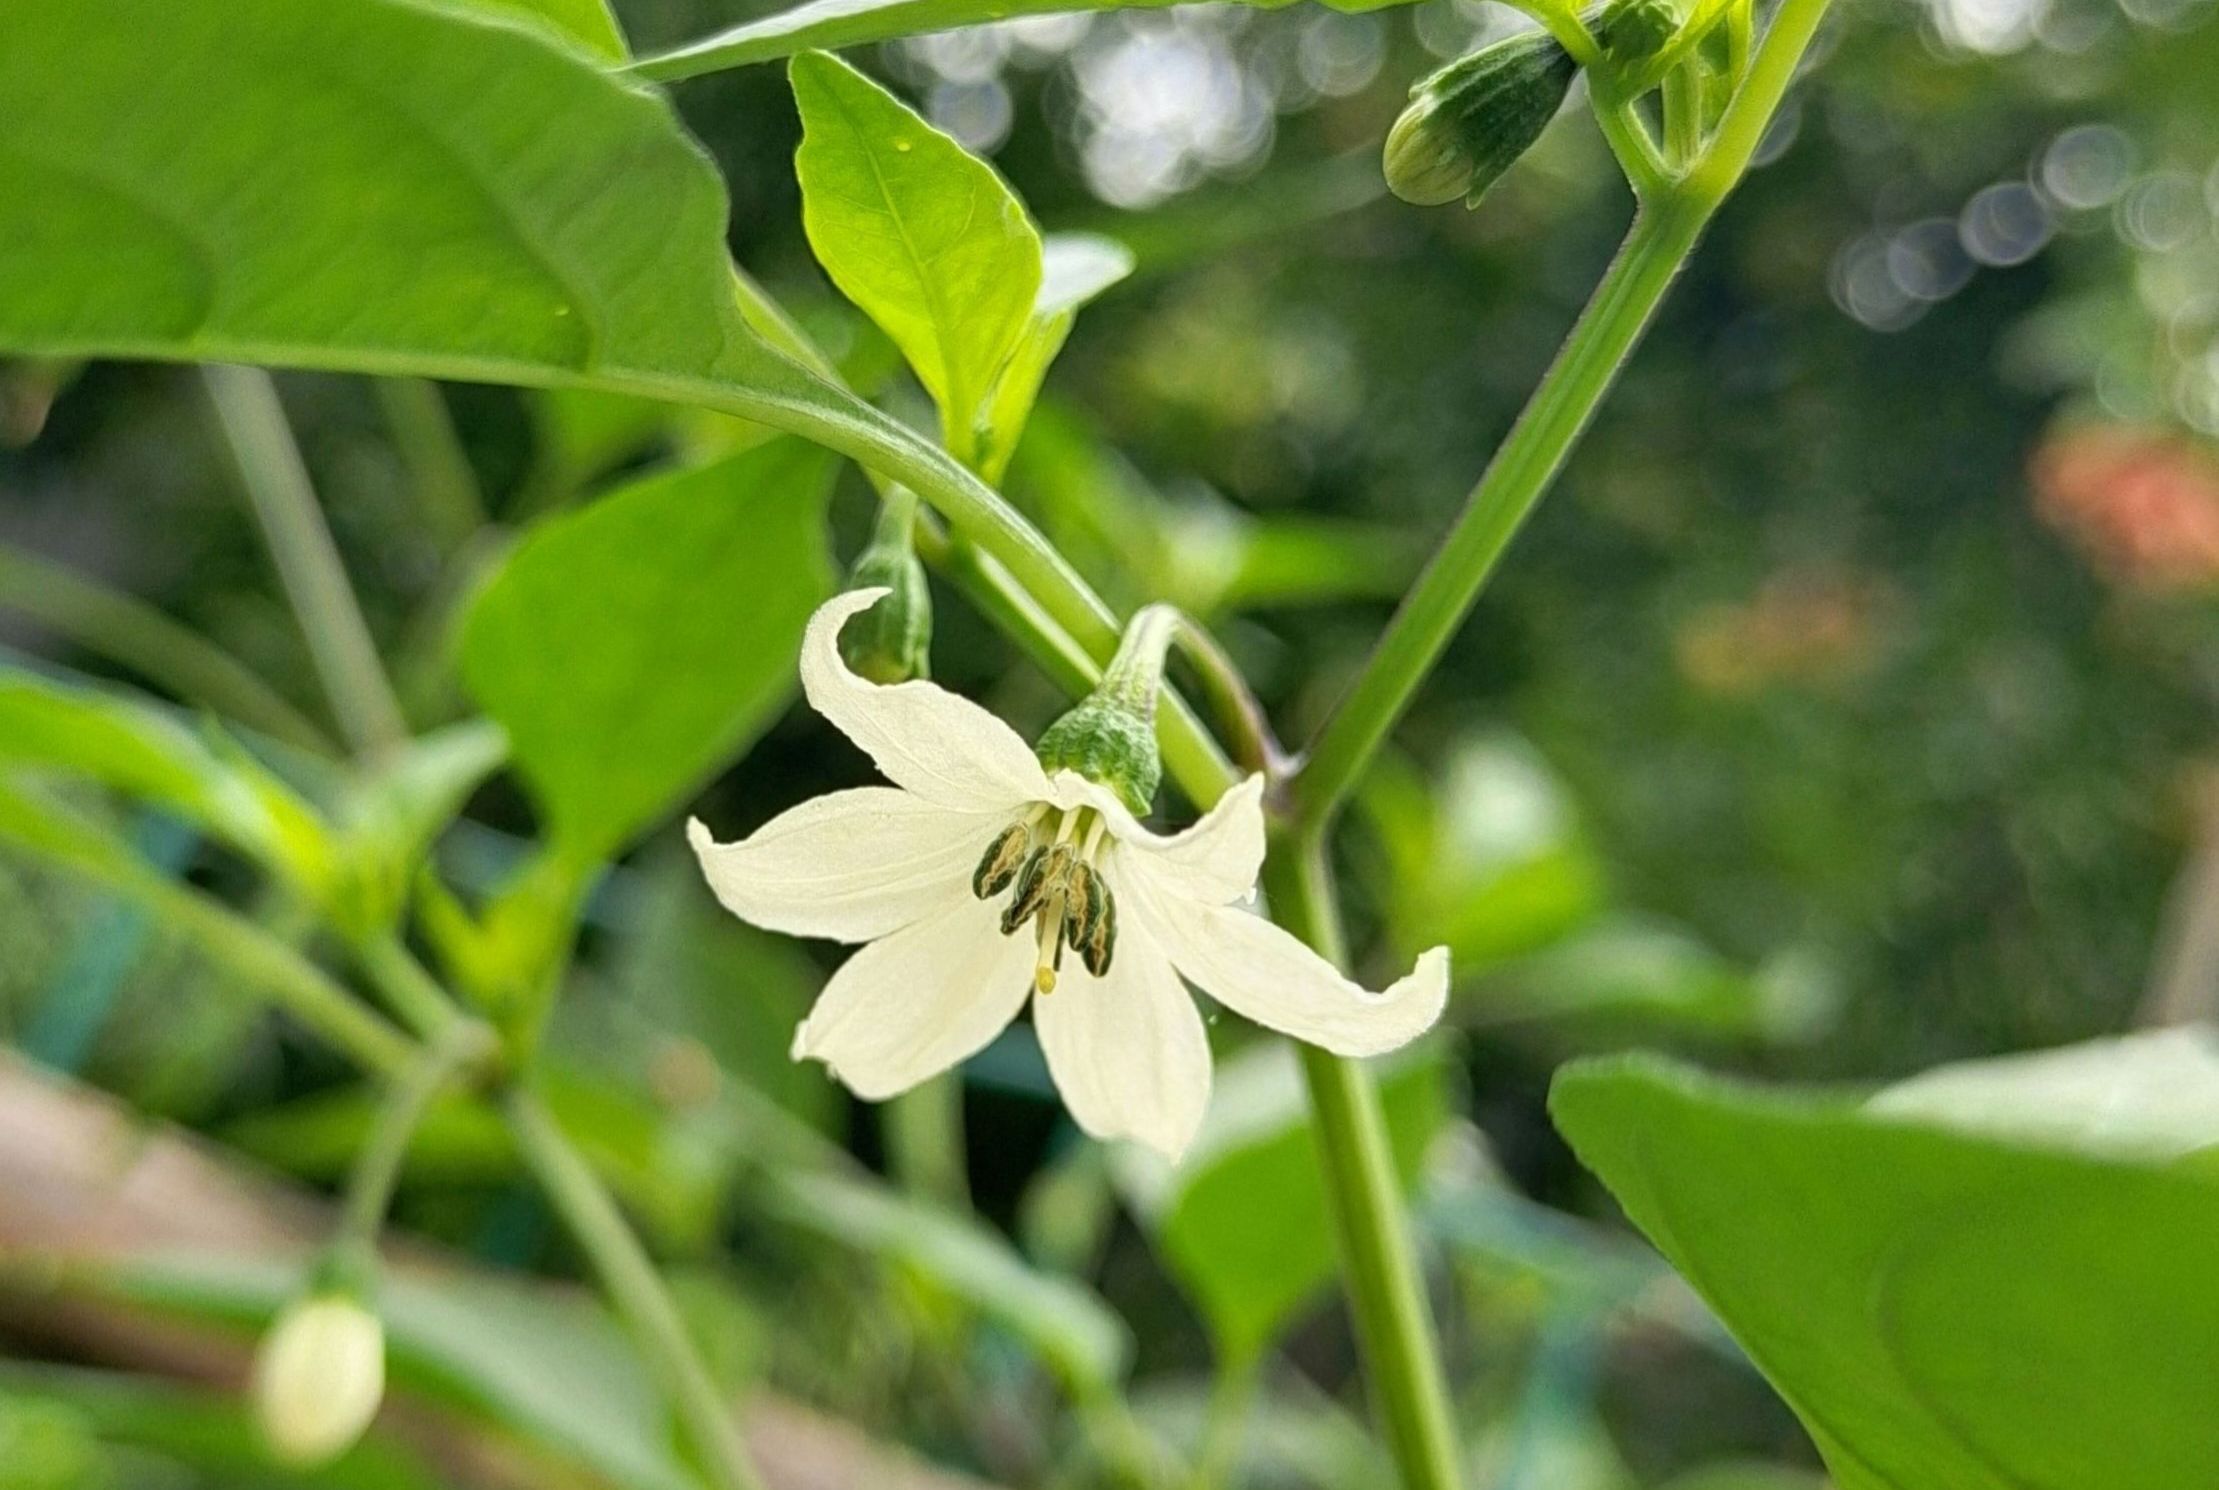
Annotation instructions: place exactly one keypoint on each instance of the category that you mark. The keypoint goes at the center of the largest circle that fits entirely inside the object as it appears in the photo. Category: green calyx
(1110, 738)
(892, 641)
(1106, 742)
(1470, 122)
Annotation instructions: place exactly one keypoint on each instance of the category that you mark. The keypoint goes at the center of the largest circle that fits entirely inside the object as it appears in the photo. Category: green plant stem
(409, 990)
(270, 468)
(634, 1287)
(377, 1168)
(1664, 233)
(440, 478)
(1386, 1295)
(1225, 1421)
(128, 631)
(1628, 138)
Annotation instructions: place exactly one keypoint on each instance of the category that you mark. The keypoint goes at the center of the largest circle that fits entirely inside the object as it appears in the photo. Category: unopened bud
(1110, 738)
(318, 1378)
(1469, 122)
(892, 641)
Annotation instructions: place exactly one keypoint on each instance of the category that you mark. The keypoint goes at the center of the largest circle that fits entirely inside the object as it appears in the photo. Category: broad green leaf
(633, 647)
(1953, 1288)
(1243, 1222)
(1075, 267)
(1067, 1323)
(439, 195)
(923, 236)
(140, 751)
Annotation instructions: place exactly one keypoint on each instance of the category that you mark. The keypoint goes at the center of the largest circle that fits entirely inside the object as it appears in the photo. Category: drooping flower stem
(626, 1273)
(439, 1062)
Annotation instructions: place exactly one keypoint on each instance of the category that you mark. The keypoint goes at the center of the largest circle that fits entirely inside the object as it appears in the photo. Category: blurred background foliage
(1847, 709)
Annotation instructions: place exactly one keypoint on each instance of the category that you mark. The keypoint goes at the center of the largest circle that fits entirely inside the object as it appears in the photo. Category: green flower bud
(1105, 740)
(1469, 122)
(1635, 30)
(1110, 738)
(892, 641)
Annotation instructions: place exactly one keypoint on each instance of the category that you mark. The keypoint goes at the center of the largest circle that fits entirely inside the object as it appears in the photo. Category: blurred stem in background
(300, 544)
(629, 1277)
(125, 630)
(439, 474)
(377, 1168)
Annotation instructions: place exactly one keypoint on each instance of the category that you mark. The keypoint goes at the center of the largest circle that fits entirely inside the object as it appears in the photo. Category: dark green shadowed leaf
(920, 234)
(1975, 1281)
(634, 647)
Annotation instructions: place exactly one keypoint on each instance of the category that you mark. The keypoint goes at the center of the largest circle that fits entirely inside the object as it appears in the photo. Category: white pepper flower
(980, 880)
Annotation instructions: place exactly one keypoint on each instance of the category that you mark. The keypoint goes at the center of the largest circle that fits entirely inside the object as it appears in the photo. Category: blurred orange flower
(2142, 504)
(1802, 626)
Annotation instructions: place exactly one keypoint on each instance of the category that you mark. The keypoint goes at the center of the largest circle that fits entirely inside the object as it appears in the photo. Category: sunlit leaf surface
(1953, 1288)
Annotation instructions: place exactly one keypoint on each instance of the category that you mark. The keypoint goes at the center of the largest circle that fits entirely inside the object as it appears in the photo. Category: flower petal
(910, 1005)
(1267, 975)
(1215, 858)
(937, 744)
(1127, 1050)
(850, 865)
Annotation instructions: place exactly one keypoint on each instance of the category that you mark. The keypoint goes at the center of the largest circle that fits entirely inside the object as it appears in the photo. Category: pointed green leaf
(1075, 267)
(919, 233)
(1997, 1279)
(631, 648)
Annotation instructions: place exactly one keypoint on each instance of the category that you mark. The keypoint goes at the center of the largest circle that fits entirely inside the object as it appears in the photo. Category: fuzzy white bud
(318, 1378)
